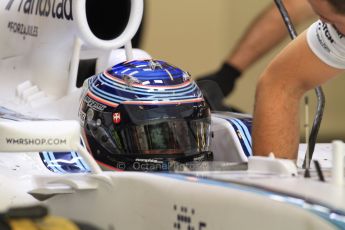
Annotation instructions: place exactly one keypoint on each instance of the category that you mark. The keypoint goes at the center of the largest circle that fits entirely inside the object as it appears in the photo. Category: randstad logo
(60, 9)
(9, 5)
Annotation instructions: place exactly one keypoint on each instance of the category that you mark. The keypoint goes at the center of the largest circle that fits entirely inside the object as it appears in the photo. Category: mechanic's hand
(225, 77)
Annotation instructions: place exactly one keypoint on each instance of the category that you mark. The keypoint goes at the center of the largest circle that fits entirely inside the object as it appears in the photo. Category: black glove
(225, 77)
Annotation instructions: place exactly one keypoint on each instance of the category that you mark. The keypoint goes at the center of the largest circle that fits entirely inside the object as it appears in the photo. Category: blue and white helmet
(143, 115)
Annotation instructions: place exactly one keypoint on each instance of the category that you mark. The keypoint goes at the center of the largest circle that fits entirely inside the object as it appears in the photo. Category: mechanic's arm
(267, 30)
(276, 114)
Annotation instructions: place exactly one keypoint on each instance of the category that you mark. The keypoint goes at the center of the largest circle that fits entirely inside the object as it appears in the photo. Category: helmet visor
(172, 137)
(155, 131)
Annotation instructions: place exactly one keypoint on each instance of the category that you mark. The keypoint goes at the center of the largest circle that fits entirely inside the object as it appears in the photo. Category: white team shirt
(327, 43)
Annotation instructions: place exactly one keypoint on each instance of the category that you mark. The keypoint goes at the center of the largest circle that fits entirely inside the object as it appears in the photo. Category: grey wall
(197, 35)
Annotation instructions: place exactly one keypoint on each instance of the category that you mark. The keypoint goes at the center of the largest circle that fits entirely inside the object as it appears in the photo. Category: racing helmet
(144, 115)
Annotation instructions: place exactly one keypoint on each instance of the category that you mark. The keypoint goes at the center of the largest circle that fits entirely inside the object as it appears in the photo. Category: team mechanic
(313, 58)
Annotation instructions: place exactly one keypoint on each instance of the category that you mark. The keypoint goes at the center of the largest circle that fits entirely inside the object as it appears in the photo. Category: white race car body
(215, 195)
(235, 191)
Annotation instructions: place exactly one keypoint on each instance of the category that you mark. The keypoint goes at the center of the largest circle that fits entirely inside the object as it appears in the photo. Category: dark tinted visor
(134, 130)
(167, 137)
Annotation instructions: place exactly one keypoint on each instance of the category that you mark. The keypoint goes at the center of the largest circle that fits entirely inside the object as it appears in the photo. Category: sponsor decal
(59, 9)
(36, 141)
(322, 43)
(82, 117)
(94, 104)
(149, 161)
(9, 5)
(320, 39)
(327, 33)
(200, 158)
(116, 118)
(22, 29)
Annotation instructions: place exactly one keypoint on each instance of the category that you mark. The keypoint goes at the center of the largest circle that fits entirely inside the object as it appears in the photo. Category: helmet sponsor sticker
(82, 117)
(94, 104)
(116, 118)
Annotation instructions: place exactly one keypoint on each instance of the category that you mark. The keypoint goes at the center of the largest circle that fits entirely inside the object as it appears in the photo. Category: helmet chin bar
(189, 163)
(35, 136)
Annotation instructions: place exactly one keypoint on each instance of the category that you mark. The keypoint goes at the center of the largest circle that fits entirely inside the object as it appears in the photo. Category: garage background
(197, 35)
